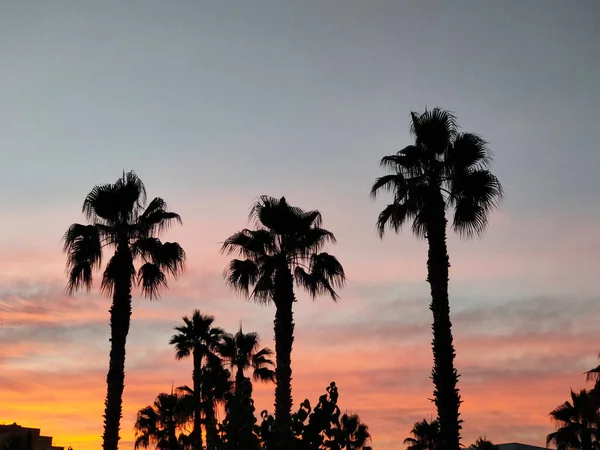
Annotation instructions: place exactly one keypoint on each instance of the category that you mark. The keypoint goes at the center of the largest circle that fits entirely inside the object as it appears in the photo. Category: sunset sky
(215, 103)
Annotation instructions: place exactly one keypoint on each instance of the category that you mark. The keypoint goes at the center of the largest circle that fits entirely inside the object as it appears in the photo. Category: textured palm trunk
(284, 339)
(120, 318)
(196, 381)
(444, 375)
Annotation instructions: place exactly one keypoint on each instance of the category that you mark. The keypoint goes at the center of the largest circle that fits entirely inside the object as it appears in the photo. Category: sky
(215, 103)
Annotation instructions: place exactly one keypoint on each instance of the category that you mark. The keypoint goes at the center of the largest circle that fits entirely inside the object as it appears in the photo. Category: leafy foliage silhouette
(119, 219)
(443, 169)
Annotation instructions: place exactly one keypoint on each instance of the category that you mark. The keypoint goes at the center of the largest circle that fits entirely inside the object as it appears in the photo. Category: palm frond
(393, 183)
(264, 375)
(249, 243)
(151, 279)
(83, 247)
(169, 256)
(156, 218)
(434, 130)
(242, 274)
(474, 195)
(468, 152)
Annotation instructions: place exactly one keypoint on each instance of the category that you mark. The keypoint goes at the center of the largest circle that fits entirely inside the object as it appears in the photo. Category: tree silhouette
(321, 428)
(216, 385)
(443, 169)
(283, 248)
(577, 423)
(119, 219)
(197, 337)
(161, 423)
(242, 352)
(426, 436)
(483, 444)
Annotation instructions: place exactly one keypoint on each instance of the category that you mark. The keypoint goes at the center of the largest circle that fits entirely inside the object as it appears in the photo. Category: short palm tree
(425, 436)
(161, 423)
(197, 337)
(242, 351)
(119, 219)
(483, 444)
(216, 386)
(283, 248)
(577, 423)
(443, 169)
(351, 434)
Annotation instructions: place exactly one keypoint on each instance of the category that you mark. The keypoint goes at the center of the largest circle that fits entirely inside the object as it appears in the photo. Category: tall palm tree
(443, 169)
(241, 351)
(161, 423)
(283, 248)
(119, 219)
(197, 337)
(577, 423)
(426, 436)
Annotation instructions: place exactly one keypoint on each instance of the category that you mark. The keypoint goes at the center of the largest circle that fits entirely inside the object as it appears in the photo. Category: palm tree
(119, 219)
(351, 434)
(197, 337)
(483, 444)
(216, 385)
(426, 436)
(577, 423)
(443, 169)
(284, 247)
(241, 351)
(161, 423)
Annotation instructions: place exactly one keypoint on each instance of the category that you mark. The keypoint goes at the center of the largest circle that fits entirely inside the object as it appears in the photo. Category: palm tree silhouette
(443, 169)
(216, 385)
(161, 423)
(426, 436)
(241, 352)
(351, 434)
(284, 247)
(483, 444)
(577, 423)
(119, 218)
(197, 337)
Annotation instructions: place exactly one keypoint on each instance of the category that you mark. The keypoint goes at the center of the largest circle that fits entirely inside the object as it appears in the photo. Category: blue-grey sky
(213, 103)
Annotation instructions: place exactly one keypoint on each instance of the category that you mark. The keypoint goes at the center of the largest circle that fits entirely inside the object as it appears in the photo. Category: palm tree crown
(285, 238)
(425, 434)
(197, 334)
(241, 351)
(161, 423)
(442, 160)
(119, 219)
(577, 422)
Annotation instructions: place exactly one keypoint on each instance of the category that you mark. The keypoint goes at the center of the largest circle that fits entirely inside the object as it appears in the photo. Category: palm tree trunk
(196, 380)
(444, 375)
(284, 339)
(120, 318)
